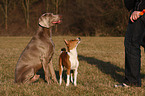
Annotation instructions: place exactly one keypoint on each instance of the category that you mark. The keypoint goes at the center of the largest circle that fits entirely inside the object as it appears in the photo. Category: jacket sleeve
(129, 4)
(143, 18)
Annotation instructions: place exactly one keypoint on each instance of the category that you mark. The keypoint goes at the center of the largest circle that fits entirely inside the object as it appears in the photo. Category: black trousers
(134, 38)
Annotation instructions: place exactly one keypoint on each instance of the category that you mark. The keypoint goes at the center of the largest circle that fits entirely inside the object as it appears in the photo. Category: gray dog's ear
(44, 20)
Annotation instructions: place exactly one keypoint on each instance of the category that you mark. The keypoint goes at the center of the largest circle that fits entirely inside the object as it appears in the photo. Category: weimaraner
(38, 53)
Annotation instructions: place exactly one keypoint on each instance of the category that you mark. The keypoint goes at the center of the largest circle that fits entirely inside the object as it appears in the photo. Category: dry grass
(101, 66)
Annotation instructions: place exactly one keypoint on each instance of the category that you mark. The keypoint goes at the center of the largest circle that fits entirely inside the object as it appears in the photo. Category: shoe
(121, 85)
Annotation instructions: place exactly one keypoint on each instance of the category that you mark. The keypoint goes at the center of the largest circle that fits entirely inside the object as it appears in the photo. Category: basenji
(69, 60)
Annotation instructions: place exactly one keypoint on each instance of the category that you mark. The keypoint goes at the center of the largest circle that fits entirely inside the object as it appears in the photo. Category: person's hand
(134, 16)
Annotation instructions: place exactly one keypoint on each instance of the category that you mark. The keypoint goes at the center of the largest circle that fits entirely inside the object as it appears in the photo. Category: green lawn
(101, 66)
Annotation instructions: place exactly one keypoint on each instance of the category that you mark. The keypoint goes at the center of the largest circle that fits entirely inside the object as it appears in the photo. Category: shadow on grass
(42, 75)
(106, 67)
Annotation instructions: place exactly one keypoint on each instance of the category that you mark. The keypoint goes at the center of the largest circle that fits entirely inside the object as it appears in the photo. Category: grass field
(101, 66)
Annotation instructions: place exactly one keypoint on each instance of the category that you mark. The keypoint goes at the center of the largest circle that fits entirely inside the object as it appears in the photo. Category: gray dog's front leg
(52, 72)
(46, 72)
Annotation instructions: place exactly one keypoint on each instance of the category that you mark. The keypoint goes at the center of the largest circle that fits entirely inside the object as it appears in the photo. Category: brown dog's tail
(63, 50)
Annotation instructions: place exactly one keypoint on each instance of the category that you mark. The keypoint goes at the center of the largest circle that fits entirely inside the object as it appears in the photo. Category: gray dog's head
(48, 20)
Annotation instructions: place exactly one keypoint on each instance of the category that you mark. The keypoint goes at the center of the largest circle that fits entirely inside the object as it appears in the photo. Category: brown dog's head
(48, 20)
(72, 43)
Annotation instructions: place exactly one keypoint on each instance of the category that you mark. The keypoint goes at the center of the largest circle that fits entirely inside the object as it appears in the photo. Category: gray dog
(38, 53)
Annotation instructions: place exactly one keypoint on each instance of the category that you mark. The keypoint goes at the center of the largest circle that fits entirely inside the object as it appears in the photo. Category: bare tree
(26, 7)
(4, 4)
(47, 5)
(25, 4)
(56, 3)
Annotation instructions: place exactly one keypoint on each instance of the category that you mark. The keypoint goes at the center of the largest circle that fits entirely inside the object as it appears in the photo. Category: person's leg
(133, 39)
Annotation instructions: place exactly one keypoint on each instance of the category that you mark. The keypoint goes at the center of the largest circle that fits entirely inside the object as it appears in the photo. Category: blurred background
(80, 17)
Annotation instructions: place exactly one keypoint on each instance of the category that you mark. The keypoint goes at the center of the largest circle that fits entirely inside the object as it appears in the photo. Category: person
(134, 39)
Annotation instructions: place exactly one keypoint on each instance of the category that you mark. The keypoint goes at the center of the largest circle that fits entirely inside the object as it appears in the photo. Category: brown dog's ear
(65, 41)
(44, 20)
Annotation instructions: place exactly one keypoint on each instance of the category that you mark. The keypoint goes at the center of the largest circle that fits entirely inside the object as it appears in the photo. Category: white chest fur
(73, 58)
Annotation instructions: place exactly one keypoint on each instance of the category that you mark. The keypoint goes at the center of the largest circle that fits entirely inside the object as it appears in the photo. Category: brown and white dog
(38, 53)
(69, 60)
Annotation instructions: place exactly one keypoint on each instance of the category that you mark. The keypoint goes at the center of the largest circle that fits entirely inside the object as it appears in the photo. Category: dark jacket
(137, 5)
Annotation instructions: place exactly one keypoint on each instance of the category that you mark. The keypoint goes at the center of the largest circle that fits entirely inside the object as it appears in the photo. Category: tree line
(80, 17)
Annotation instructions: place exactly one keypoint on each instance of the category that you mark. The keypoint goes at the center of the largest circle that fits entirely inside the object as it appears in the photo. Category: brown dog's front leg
(52, 72)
